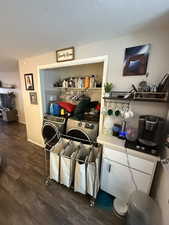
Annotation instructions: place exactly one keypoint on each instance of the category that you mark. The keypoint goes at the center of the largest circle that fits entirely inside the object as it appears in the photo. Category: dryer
(52, 127)
(86, 130)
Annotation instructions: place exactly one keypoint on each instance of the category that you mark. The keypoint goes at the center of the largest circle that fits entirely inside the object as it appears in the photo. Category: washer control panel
(89, 126)
(55, 119)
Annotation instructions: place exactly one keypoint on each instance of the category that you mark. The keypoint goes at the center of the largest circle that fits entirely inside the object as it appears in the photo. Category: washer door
(77, 133)
(50, 133)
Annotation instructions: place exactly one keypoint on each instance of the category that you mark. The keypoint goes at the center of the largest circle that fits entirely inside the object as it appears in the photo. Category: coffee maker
(150, 130)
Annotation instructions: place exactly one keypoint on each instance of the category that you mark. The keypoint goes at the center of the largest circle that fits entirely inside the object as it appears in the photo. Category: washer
(86, 130)
(52, 126)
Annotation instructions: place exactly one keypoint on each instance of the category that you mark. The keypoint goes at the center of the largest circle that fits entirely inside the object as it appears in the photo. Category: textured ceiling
(30, 27)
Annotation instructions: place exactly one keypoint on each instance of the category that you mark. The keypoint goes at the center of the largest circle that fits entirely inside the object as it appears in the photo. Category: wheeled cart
(75, 165)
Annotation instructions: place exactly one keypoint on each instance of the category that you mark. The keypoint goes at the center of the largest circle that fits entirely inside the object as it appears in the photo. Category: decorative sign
(66, 54)
(33, 98)
(136, 60)
(29, 85)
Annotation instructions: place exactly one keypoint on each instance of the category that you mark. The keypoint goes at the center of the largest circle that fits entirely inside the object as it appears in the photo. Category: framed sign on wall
(65, 54)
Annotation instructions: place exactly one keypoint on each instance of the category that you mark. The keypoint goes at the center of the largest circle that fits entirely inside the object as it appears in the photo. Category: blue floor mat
(104, 201)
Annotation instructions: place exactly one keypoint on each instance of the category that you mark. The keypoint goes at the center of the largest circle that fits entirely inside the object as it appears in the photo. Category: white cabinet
(135, 162)
(117, 176)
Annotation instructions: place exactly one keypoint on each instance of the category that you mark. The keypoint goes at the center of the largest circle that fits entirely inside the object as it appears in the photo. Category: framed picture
(33, 98)
(29, 85)
(65, 54)
(136, 60)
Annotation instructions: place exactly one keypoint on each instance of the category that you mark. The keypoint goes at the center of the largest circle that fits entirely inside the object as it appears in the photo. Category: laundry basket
(55, 159)
(67, 167)
(80, 180)
(93, 172)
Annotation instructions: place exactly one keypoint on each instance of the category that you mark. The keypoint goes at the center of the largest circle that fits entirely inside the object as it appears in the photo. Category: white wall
(13, 78)
(158, 60)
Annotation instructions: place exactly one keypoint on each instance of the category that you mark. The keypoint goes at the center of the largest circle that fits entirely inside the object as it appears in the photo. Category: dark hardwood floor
(25, 200)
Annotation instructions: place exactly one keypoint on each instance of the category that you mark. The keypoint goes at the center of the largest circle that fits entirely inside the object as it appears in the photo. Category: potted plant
(108, 88)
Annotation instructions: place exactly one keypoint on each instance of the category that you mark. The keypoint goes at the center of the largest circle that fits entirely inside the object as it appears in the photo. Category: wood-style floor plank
(25, 200)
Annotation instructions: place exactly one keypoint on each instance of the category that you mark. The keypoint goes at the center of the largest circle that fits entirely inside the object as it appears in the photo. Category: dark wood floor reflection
(25, 200)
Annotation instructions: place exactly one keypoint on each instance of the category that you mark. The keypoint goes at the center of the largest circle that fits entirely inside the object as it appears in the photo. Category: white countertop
(118, 145)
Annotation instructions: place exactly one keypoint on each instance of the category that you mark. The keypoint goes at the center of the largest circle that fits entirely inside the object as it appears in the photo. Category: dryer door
(50, 133)
(77, 133)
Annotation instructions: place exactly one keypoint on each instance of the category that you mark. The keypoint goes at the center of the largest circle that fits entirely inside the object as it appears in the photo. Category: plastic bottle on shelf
(71, 82)
(92, 81)
(83, 82)
(64, 84)
(76, 82)
(87, 82)
(95, 82)
(80, 83)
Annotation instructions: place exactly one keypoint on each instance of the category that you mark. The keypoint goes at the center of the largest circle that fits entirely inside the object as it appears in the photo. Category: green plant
(108, 87)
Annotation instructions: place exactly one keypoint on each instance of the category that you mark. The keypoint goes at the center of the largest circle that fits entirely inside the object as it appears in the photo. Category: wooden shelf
(118, 100)
(143, 97)
(79, 89)
(151, 96)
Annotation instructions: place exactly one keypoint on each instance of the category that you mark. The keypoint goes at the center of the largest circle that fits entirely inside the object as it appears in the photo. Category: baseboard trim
(36, 143)
(22, 122)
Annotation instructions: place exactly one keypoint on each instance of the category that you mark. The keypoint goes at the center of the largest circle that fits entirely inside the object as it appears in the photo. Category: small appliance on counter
(150, 135)
(150, 130)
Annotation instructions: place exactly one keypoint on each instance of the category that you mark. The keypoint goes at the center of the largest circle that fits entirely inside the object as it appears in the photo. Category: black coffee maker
(150, 130)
